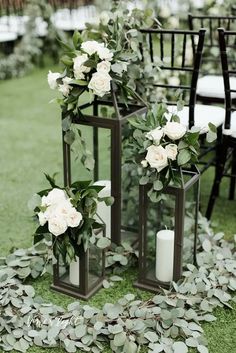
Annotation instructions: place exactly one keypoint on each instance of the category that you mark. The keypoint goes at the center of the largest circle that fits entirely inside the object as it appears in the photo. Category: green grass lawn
(30, 138)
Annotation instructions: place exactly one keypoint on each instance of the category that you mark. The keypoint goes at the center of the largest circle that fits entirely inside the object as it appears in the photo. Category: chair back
(210, 57)
(227, 43)
(178, 54)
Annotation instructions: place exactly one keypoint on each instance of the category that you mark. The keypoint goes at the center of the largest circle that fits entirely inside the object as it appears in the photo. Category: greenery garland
(168, 322)
(31, 47)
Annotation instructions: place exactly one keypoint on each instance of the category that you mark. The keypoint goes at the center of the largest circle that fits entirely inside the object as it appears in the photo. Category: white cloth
(7, 37)
(232, 130)
(67, 20)
(203, 115)
(213, 86)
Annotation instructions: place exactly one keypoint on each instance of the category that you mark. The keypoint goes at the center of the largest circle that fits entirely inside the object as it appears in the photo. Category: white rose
(67, 80)
(54, 197)
(44, 201)
(173, 22)
(79, 68)
(74, 218)
(57, 225)
(100, 83)
(42, 218)
(157, 157)
(172, 151)
(91, 46)
(155, 135)
(63, 209)
(104, 18)
(64, 89)
(105, 54)
(144, 163)
(165, 11)
(174, 130)
(50, 212)
(173, 81)
(213, 11)
(52, 79)
(104, 66)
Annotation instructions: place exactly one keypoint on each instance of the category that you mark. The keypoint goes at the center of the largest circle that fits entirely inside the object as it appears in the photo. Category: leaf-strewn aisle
(30, 141)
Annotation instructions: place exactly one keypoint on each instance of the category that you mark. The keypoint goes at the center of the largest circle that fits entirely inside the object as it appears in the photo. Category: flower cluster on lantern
(161, 150)
(57, 210)
(90, 67)
(162, 145)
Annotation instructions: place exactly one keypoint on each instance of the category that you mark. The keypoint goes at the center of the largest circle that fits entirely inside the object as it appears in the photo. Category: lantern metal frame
(122, 113)
(84, 290)
(180, 196)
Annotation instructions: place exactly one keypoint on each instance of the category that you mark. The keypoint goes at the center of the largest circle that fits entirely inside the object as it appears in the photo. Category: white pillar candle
(74, 272)
(164, 255)
(103, 210)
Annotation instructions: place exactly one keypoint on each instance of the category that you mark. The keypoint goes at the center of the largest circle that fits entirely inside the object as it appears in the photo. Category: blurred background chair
(73, 15)
(227, 157)
(210, 87)
(180, 52)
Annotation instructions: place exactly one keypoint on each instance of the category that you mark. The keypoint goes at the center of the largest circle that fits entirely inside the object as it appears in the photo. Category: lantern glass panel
(191, 211)
(160, 216)
(129, 190)
(105, 127)
(78, 170)
(95, 265)
(168, 232)
(83, 277)
(102, 157)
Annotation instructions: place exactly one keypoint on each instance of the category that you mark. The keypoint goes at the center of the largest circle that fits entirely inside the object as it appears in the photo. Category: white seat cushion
(67, 20)
(203, 115)
(7, 37)
(232, 130)
(213, 86)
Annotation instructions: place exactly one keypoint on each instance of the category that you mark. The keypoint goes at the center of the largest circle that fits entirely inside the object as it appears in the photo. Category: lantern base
(72, 293)
(157, 288)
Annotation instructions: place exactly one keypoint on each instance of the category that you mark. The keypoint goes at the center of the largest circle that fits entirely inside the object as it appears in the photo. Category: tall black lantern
(83, 277)
(168, 232)
(104, 137)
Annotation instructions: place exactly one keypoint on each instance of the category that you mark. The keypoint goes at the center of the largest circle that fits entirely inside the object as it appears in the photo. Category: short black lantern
(168, 232)
(83, 277)
(104, 135)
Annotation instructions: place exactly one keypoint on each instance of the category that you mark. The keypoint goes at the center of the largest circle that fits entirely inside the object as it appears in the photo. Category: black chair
(227, 157)
(210, 85)
(179, 52)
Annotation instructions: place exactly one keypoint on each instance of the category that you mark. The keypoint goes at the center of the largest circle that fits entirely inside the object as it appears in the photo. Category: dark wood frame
(228, 147)
(85, 290)
(122, 114)
(179, 193)
(207, 21)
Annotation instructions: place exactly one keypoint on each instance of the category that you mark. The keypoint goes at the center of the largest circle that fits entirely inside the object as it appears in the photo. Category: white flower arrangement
(59, 212)
(162, 146)
(70, 215)
(157, 156)
(90, 67)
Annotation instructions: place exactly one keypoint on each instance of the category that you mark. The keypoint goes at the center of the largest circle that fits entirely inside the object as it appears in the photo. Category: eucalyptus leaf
(180, 347)
(103, 243)
(119, 339)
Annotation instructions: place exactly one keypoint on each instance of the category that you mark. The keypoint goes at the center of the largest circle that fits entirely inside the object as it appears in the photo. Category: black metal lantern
(168, 232)
(104, 137)
(83, 277)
